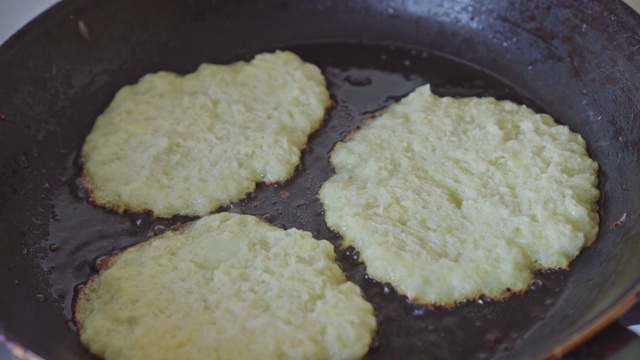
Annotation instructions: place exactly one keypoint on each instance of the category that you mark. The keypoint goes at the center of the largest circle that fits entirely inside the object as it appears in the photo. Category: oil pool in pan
(361, 80)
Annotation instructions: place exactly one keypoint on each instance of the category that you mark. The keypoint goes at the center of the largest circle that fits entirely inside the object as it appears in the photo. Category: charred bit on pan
(366, 118)
(2, 117)
(374, 114)
(493, 337)
(104, 262)
(374, 343)
(619, 222)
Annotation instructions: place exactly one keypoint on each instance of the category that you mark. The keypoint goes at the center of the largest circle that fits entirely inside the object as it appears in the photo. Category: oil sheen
(362, 80)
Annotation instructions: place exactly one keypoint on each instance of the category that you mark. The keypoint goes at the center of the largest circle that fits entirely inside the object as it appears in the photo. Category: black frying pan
(576, 60)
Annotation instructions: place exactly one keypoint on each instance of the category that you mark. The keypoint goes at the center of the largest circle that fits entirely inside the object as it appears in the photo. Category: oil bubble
(355, 80)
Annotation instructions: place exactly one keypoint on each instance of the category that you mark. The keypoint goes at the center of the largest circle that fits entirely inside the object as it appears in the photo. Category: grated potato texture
(227, 286)
(450, 199)
(185, 145)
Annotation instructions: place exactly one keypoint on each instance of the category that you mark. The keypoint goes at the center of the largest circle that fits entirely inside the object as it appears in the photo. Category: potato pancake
(227, 286)
(185, 145)
(450, 199)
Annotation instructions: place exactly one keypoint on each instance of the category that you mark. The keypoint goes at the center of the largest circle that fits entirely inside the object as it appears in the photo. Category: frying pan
(576, 60)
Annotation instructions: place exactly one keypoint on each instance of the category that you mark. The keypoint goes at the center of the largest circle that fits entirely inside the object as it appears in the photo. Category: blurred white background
(14, 14)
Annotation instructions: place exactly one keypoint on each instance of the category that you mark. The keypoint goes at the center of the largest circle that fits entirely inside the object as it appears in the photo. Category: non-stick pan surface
(574, 60)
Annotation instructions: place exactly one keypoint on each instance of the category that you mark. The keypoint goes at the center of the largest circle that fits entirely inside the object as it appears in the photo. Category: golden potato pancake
(450, 199)
(185, 145)
(227, 286)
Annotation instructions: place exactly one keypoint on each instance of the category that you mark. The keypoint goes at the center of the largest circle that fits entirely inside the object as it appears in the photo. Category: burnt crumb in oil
(83, 236)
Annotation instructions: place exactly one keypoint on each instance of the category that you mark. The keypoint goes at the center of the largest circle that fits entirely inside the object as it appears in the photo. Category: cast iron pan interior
(573, 60)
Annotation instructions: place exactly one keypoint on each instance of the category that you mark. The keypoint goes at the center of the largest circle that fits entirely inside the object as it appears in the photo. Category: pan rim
(597, 324)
